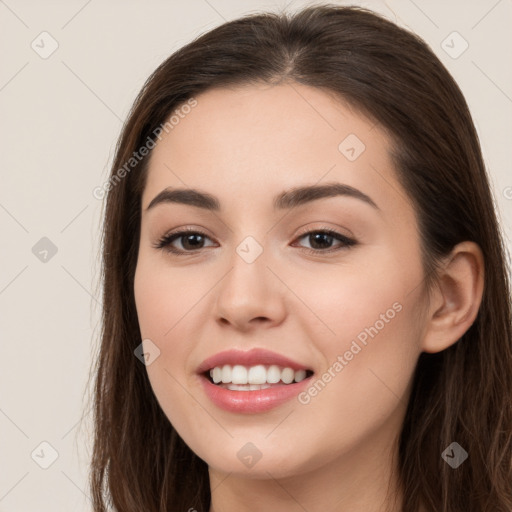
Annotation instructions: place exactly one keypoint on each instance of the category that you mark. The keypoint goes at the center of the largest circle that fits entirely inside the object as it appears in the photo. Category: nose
(250, 295)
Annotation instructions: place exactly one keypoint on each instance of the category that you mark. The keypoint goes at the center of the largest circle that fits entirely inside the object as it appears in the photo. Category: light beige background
(60, 119)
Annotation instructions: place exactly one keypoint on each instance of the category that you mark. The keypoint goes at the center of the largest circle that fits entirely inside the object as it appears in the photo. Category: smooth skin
(245, 145)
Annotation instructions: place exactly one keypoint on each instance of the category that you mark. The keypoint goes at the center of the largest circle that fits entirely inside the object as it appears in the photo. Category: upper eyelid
(332, 230)
(176, 235)
(304, 229)
(184, 231)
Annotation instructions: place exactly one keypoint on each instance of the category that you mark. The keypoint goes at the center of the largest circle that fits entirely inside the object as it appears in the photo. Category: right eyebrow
(188, 196)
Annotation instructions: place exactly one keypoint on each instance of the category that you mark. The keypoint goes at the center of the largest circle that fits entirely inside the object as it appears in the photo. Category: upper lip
(251, 357)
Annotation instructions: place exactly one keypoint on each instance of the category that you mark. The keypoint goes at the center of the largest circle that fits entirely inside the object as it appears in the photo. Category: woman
(306, 305)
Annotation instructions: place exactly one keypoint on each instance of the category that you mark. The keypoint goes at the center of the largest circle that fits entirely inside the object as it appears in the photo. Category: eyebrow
(288, 199)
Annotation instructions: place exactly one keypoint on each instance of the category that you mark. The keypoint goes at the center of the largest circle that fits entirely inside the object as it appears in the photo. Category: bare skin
(245, 146)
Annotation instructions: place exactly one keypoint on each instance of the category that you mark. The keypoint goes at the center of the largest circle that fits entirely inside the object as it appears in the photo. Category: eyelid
(307, 228)
(346, 240)
(165, 242)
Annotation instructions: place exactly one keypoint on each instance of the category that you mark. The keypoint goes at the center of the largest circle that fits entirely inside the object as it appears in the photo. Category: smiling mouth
(254, 378)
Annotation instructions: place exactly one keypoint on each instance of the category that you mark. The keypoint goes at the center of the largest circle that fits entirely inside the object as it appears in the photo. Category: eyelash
(165, 242)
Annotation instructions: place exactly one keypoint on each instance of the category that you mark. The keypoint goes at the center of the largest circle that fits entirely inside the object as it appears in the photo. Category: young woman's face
(259, 271)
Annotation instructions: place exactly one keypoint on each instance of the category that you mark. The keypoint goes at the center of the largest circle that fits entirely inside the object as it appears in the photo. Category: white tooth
(300, 375)
(247, 387)
(257, 375)
(216, 374)
(273, 374)
(287, 375)
(226, 373)
(239, 374)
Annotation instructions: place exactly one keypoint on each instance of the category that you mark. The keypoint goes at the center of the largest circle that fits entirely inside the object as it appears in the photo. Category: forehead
(245, 141)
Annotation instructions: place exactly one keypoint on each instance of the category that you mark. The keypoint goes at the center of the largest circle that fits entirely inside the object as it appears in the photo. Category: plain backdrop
(61, 114)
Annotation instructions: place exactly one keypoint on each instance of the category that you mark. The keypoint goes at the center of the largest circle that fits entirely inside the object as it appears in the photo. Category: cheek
(341, 302)
(362, 392)
(164, 298)
(165, 305)
(364, 321)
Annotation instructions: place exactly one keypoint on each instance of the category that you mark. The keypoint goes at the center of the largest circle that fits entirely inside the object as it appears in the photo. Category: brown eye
(322, 241)
(183, 242)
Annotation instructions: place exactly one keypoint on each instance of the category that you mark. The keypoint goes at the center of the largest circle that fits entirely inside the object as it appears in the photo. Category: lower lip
(251, 401)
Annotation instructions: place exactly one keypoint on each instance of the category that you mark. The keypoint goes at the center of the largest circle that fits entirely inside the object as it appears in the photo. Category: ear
(456, 298)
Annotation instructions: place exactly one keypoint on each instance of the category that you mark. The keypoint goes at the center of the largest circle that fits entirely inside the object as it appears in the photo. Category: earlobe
(456, 299)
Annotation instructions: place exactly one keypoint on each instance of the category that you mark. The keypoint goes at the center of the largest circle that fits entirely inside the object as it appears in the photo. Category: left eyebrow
(285, 200)
(300, 195)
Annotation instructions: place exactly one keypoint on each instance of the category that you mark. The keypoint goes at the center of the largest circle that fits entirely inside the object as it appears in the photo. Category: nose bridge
(249, 290)
(248, 275)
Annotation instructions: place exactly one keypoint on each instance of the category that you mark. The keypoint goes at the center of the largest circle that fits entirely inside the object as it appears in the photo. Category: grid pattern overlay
(70, 72)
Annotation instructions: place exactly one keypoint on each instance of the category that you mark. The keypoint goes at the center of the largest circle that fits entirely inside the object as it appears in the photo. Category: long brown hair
(462, 394)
